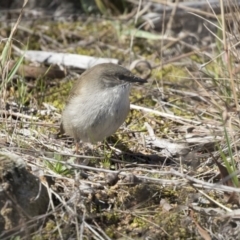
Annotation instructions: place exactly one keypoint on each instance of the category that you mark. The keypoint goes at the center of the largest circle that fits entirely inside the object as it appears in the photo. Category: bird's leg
(78, 144)
(80, 160)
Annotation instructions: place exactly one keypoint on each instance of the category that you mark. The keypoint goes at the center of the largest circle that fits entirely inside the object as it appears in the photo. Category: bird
(98, 103)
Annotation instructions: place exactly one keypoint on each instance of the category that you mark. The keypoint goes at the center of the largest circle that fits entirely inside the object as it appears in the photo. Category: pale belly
(94, 118)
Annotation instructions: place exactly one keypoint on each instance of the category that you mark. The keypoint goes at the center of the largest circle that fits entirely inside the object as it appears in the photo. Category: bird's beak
(132, 79)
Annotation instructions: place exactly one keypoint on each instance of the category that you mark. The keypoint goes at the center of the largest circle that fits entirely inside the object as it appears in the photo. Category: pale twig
(166, 115)
(93, 231)
(20, 115)
(214, 201)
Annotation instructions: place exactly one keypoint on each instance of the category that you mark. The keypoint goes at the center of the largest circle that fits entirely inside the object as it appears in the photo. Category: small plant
(58, 166)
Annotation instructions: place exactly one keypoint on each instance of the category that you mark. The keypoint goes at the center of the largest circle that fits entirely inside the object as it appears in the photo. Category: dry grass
(162, 174)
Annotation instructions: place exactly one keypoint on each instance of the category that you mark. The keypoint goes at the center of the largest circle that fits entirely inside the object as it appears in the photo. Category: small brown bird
(98, 103)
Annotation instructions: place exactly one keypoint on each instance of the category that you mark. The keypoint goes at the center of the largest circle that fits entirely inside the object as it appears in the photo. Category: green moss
(58, 95)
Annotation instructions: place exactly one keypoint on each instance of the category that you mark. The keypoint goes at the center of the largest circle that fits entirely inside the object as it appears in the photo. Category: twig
(19, 115)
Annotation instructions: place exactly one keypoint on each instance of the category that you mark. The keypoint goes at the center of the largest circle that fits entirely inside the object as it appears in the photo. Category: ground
(162, 175)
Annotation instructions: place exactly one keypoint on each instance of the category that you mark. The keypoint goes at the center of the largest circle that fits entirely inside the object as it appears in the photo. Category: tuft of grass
(58, 167)
(6, 55)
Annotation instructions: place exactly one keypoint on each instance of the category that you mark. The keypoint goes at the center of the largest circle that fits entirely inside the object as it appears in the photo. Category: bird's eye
(122, 77)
